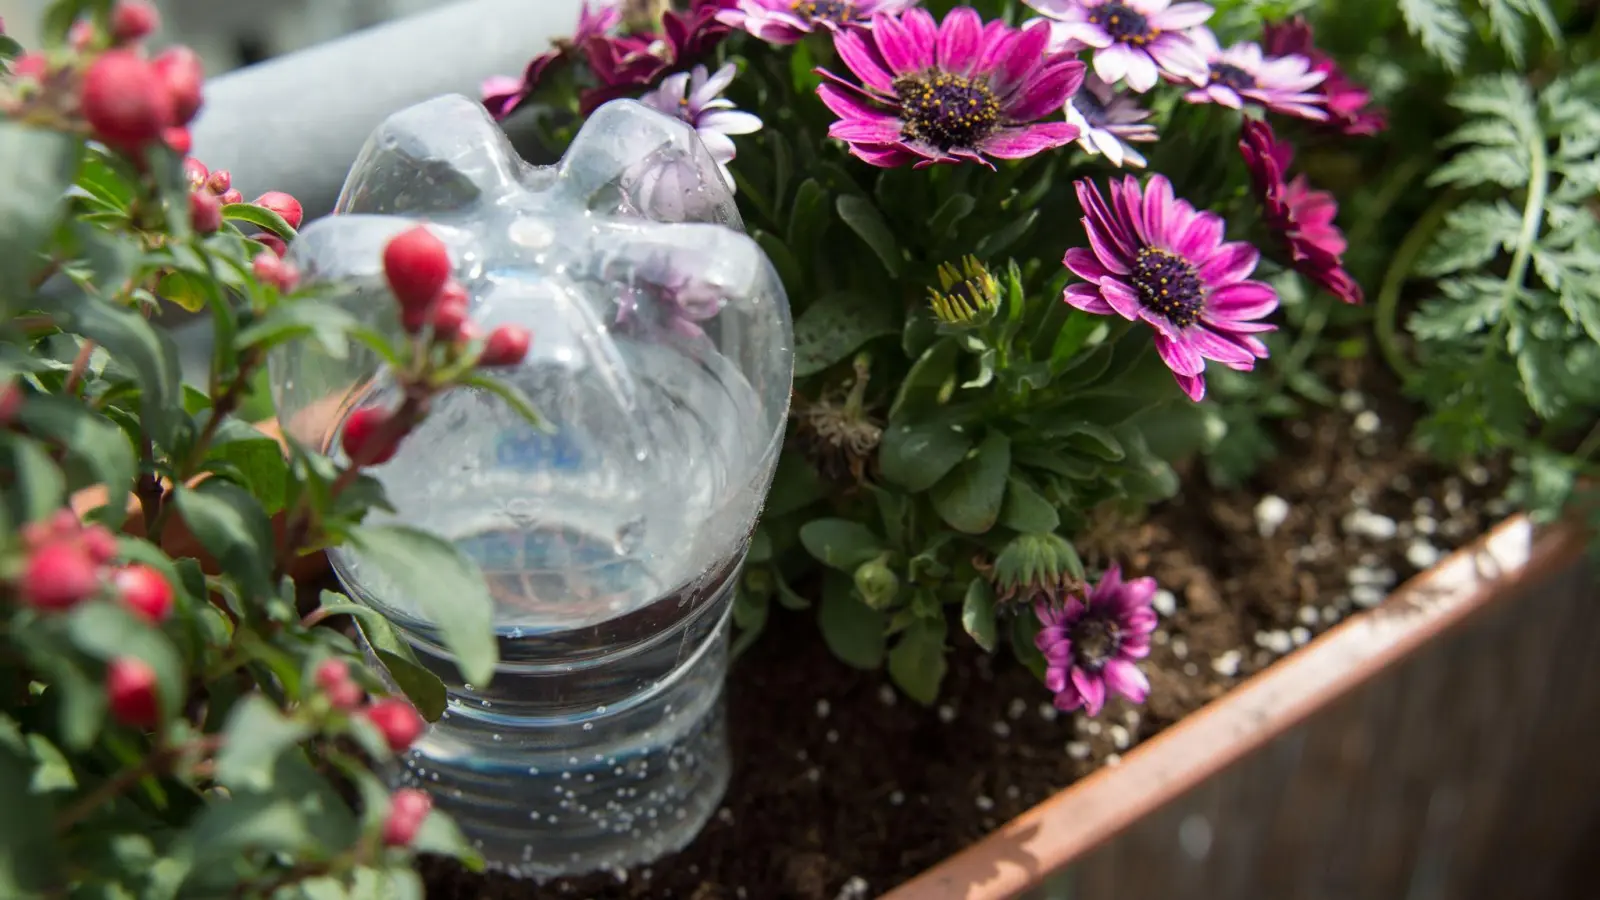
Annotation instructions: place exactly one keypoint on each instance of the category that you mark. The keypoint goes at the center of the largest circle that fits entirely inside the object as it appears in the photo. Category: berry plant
(180, 715)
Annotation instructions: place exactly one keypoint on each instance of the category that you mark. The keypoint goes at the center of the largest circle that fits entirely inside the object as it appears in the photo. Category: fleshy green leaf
(106, 631)
(1026, 509)
(443, 586)
(133, 342)
(256, 733)
(835, 326)
(40, 165)
(440, 835)
(232, 527)
(840, 543)
(867, 222)
(260, 217)
(852, 630)
(327, 322)
(101, 447)
(969, 498)
(423, 688)
(977, 613)
(917, 456)
(917, 662)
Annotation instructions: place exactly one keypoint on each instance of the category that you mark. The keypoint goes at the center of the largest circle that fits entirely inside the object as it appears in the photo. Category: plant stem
(1387, 311)
(80, 364)
(159, 759)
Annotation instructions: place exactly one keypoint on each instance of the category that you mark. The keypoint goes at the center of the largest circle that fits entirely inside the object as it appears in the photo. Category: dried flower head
(837, 433)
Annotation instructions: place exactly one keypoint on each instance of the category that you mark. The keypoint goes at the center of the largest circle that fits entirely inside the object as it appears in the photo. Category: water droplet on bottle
(588, 726)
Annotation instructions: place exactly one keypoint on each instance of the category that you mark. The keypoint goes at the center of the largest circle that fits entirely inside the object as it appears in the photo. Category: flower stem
(1387, 311)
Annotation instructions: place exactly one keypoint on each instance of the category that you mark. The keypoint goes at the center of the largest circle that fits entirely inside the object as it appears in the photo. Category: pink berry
(82, 35)
(131, 689)
(144, 591)
(59, 575)
(507, 345)
(181, 73)
(124, 100)
(205, 211)
(361, 432)
(449, 316)
(397, 721)
(231, 197)
(196, 173)
(271, 242)
(179, 139)
(219, 181)
(333, 677)
(284, 205)
(100, 544)
(132, 20)
(408, 809)
(274, 271)
(31, 65)
(417, 265)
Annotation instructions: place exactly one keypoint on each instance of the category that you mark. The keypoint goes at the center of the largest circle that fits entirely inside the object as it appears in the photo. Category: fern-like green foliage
(1445, 27)
(1511, 335)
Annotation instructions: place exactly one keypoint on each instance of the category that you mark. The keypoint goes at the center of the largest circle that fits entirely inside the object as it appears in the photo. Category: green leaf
(808, 218)
(133, 342)
(52, 772)
(40, 164)
(260, 217)
(836, 325)
(513, 397)
(977, 613)
(917, 456)
(1441, 28)
(950, 214)
(39, 485)
(259, 460)
(29, 851)
(443, 586)
(100, 446)
(969, 498)
(440, 835)
(324, 320)
(1026, 509)
(77, 700)
(867, 222)
(232, 527)
(783, 261)
(1024, 630)
(852, 630)
(917, 661)
(998, 242)
(423, 688)
(227, 828)
(106, 632)
(256, 734)
(927, 384)
(840, 543)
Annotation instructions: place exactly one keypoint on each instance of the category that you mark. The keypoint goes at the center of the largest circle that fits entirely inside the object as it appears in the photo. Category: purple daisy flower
(1283, 84)
(1302, 217)
(696, 98)
(1350, 108)
(502, 94)
(676, 305)
(1153, 257)
(788, 21)
(1135, 40)
(961, 90)
(1091, 647)
(1107, 121)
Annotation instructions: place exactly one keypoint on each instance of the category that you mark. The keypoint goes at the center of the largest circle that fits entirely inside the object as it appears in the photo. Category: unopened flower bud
(877, 583)
(408, 809)
(284, 205)
(196, 173)
(124, 101)
(507, 345)
(10, 404)
(363, 438)
(82, 35)
(967, 297)
(416, 265)
(271, 242)
(182, 74)
(32, 66)
(144, 592)
(271, 269)
(333, 677)
(205, 211)
(219, 181)
(132, 20)
(397, 721)
(59, 575)
(100, 544)
(178, 139)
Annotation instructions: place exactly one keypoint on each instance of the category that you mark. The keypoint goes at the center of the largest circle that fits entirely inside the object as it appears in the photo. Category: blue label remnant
(534, 451)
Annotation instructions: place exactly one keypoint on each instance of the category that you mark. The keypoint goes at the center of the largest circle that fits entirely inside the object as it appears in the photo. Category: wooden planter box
(1441, 747)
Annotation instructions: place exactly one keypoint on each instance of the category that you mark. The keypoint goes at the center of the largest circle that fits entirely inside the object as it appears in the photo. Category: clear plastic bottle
(662, 356)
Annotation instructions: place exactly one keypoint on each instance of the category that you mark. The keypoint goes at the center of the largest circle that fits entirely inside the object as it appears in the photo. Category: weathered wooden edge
(1079, 818)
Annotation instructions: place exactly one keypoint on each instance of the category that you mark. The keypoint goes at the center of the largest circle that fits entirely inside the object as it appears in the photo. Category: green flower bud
(877, 583)
(966, 297)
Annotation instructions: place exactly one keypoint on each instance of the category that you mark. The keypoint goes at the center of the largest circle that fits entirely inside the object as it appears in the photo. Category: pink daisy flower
(1135, 40)
(787, 21)
(697, 98)
(1092, 647)
(1349, 105)
(960, 90)
(1302, 217)
(1242, 73)
(1107, 121)
(1152, 257)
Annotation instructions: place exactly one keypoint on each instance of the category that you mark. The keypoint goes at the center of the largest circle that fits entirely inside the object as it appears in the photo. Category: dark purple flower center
(839, 12)
(1124, 23)
(946, 110)
(1168, 284)
(1231, 76)
(1095, 641)
(1090, 107)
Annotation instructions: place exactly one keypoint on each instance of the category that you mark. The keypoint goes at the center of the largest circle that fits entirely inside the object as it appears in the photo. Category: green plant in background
(172, 720)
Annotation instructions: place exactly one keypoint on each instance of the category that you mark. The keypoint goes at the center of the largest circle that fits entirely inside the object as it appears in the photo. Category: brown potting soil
(843, 788)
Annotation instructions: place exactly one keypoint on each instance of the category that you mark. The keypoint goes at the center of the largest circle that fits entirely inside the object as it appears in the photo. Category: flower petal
(1192, 385)
(1201, 238)
(1142, 72)
(883, 156)
(1020, 143)
(1047, 91)
(1090, 265)
(1122, 298)
(960, 40)
(1230, 263)
(1087, 297)
(1158, 201)
(1123, 677)
(1180, 355)
(1181, 16)
(1240, 300)
(1111, 63)
(729, 121)
(897, 46)
(1091, 688)
(864, 61)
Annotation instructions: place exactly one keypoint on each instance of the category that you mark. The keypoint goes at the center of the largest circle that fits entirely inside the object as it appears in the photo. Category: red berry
(506, 346)
(449, 316)
(274, 271)
(271, 242)
(10, 404)
(131, 688)
(132, 20)
(196, 173)
(144, 591)
(31, 65)
(397, 721)
(124, 100)
(408, 809)
(181, 73)
(205, 211)
(284, 205)
(100, 544)
(361, 431)
(59, 575)
(179, 139)
(417, 265)
(219, 181)
(231, 197)
(333, 677)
